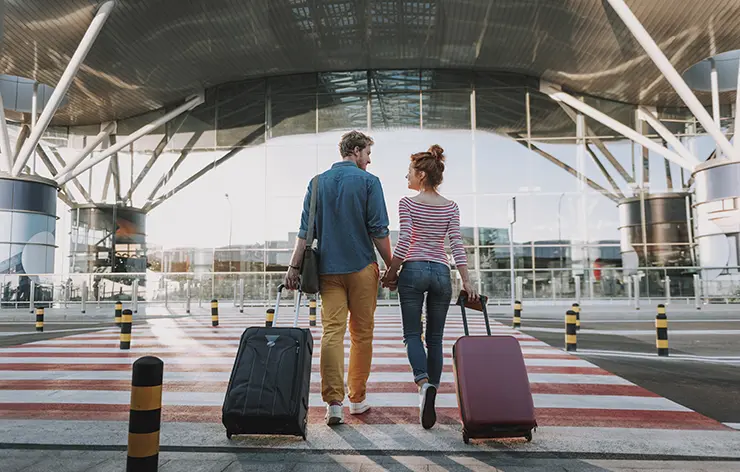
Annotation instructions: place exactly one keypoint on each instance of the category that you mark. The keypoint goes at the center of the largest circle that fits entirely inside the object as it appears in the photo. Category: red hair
(432, 163)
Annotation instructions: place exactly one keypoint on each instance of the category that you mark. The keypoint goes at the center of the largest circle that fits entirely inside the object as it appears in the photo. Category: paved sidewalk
(115, 461)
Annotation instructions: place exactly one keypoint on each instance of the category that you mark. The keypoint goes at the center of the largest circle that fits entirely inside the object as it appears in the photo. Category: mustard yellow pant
(356, 293)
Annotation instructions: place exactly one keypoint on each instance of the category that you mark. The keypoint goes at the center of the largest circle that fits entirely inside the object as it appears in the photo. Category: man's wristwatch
(294, 267)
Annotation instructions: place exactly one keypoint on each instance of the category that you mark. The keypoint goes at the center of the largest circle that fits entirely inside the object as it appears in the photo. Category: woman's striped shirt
(423, 231)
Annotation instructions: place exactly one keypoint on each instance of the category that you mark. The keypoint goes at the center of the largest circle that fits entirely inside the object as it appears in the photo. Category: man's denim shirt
(350, 212)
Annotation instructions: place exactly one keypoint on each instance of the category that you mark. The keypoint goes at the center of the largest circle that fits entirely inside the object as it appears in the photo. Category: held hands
(389, 280)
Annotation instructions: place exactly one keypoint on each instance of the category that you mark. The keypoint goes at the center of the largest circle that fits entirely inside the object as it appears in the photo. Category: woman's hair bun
(437, 152)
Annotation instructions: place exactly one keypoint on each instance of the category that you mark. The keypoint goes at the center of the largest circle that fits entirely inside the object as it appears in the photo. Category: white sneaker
(427, 415)
(334, 415)
(358, 408)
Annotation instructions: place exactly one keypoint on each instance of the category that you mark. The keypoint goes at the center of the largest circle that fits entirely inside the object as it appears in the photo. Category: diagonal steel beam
(116, 171)
(558, 95)
(650, 115)
(155, 155)
(22, 136)
(76, 182)
(60, 89)
(673, 77)
(232, 152)
(106, 183)
(91, 145)
(668, 176)
(144, 130)
(186, 150)
(600, 145)
(567, 168)
(5, 141)
(65, 196)
(603, 170)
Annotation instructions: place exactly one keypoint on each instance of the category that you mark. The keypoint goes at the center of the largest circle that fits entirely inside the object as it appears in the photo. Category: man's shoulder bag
(310, 265)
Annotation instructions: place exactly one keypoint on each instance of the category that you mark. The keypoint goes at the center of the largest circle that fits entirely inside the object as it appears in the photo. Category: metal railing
(667, 284)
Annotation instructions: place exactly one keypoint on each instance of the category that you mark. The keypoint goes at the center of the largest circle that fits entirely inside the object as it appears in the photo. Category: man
(351, 218)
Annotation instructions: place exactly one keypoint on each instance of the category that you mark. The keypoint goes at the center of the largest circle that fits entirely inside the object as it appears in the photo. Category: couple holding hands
(351, 221)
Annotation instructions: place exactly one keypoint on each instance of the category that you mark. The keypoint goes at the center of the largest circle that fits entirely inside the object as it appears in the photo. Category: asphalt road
(709, 388)
(12, 334)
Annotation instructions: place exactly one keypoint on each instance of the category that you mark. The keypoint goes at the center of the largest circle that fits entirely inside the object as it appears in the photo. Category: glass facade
(262, 141)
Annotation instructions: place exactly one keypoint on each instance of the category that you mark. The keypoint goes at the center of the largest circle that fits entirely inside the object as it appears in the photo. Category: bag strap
(312, 211)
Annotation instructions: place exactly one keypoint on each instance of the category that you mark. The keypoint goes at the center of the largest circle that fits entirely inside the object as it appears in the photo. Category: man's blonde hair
(352, 140)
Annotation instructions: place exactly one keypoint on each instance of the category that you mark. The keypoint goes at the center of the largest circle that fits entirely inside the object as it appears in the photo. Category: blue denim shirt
(350, 212)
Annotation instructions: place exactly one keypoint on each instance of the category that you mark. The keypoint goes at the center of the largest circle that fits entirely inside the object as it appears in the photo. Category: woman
(426, 219)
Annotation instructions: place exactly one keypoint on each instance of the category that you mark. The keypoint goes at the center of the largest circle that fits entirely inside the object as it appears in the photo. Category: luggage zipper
(297, 372)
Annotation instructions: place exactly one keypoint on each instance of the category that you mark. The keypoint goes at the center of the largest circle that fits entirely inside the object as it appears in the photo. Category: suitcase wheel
(466, 439)
(528, 436)
(228, 434)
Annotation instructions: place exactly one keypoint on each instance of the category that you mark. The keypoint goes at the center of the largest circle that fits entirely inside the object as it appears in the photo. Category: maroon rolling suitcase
(492, 385)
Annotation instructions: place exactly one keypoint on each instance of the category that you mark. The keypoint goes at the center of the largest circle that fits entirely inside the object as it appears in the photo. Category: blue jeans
(416, 279)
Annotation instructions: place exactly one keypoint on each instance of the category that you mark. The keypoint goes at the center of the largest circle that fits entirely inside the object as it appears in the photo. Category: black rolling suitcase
(269, 385)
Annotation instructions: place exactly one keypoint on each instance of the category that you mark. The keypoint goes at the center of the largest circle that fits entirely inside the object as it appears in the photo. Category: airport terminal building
(590, 149)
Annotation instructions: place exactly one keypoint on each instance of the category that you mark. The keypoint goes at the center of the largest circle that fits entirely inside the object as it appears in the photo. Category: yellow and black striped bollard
(517, 314)
(570, 331)
(119, 310)
(661, 331)
(577, 309)
(312, 312)
(145, 416)
(126, 320)
(214, 312)
(39, 319)
(269, 317)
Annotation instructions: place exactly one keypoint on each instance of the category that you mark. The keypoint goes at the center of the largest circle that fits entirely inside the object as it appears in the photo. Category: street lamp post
(231, 221)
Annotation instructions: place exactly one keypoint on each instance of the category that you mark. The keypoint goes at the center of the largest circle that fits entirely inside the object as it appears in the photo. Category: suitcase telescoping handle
(297, 305)
(462, 300)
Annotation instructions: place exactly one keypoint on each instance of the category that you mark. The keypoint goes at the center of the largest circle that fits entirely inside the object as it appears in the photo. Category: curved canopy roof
(153, 53)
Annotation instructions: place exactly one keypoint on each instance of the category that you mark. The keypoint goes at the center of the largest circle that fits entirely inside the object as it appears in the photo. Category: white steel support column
(91, 145)
(34, 117)
(146, 129)
(474, 171)
(5, 140)
(652, 119)
(581, 166)
(673, 77)
(66, 80)
(737, 108)
(560, 96)
(714, 78)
